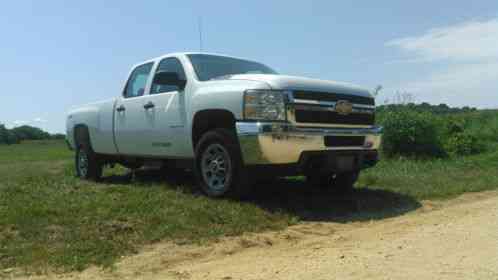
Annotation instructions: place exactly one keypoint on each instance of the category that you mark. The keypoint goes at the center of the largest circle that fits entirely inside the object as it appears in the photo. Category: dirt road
(457, 239)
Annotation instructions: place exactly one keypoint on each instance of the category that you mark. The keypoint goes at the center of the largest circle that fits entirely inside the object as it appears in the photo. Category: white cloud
(35, 122)
(470, 51)
(19, 123)
(463, 85)
(39, 120)
(474, 40)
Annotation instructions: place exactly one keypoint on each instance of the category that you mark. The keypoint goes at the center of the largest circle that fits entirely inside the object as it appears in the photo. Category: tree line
(25, 132)
(426, 107)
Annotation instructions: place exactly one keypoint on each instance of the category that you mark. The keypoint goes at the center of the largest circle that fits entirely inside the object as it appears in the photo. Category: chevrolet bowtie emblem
(344, 107)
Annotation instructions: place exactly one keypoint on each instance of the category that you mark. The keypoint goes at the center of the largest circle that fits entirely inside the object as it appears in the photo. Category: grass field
(49, 220)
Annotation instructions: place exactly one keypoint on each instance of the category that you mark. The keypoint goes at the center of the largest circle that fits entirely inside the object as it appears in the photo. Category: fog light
(369, 144)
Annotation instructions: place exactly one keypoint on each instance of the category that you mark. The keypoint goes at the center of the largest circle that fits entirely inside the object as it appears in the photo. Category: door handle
(121, 108)
(149, 105)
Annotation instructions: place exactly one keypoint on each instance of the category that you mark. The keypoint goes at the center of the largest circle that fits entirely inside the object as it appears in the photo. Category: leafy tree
(58, 136)
(12, 138)
(7, 136)
(441, 109)
(3, 134)
(27, 132)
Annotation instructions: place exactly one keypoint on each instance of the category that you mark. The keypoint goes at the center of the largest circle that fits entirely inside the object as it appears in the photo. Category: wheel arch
(209, 119)
(81, 133)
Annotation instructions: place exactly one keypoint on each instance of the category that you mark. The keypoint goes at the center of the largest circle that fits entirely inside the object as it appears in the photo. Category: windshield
(209, 67)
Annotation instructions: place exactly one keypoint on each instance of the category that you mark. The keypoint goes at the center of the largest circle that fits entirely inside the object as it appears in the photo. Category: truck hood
(284, 82)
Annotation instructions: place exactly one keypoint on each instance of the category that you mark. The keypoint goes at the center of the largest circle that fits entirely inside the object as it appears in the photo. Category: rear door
(130, 122)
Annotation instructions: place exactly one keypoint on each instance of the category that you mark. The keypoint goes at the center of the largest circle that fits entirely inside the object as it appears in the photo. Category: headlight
(265, 105)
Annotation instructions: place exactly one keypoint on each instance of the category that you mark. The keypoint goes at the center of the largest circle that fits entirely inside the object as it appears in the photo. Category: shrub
(484, 125)
(411, 133)
(466, 134)
(454, 126)
(418, 130)
(462, 144)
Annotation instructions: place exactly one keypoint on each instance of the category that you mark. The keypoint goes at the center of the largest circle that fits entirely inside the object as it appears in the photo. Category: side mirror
(164, 78)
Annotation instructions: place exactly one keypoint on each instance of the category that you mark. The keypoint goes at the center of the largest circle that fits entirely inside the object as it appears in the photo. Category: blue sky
(58, 54)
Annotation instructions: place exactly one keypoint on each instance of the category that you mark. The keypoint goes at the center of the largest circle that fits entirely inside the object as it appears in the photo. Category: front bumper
(284, 143)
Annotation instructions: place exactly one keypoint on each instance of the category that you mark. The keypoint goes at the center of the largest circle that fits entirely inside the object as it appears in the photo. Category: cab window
(137, 81)
(170, 64)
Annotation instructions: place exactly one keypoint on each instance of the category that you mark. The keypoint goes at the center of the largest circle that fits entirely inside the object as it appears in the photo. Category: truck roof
(187, 53)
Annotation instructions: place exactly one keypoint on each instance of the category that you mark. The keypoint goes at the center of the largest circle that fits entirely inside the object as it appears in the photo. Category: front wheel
(218, 165)
(87, 164)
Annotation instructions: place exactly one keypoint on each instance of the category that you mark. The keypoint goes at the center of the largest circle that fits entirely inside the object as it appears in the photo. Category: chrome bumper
(283, 143)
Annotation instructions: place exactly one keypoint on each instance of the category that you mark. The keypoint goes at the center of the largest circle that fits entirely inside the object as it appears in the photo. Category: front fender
(223, 95)
(98, 119)
(86, 116)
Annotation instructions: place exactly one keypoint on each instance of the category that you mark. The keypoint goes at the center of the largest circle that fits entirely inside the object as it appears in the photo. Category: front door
(166, 118)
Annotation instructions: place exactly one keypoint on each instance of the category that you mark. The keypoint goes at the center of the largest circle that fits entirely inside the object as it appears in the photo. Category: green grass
(435, 179)
(43, 150)
(49, 220)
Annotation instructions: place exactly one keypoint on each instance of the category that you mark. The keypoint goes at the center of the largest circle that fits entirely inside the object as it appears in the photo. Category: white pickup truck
(229, 120)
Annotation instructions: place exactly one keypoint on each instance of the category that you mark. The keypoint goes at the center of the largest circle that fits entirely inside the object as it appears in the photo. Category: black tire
(228, 176)
(319, 181)
(92, 170)
(341, 182)
(344, 182)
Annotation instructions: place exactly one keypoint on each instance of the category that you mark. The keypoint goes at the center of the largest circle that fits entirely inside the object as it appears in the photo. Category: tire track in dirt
(456, 239)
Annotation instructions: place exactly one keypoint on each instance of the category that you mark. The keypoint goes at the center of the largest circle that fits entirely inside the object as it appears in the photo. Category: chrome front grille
(332, 97)
(318, 108)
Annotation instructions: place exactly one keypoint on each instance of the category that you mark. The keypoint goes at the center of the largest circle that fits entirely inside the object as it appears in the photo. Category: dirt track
(457, 239)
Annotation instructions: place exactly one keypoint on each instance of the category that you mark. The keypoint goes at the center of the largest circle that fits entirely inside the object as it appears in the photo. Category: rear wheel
(218, 165)
(344, 182)
(341, 182)
(88, 165)
(321, 181)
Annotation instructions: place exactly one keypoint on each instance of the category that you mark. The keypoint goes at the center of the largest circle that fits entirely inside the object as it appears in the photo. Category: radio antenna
(200, 34)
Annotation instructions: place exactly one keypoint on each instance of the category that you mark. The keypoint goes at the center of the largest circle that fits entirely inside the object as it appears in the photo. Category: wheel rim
(82, 163)
(216, 167)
